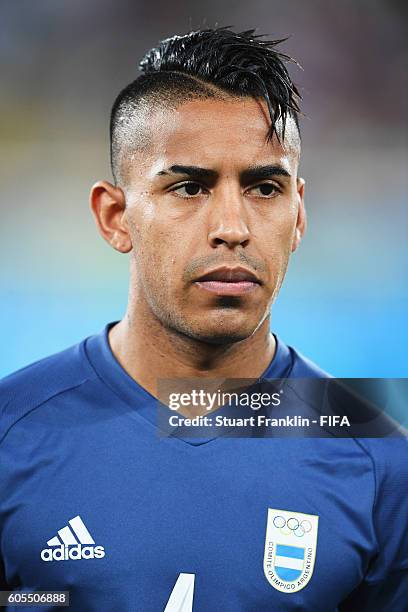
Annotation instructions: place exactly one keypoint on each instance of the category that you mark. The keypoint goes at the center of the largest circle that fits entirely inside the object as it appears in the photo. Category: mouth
(228, 281)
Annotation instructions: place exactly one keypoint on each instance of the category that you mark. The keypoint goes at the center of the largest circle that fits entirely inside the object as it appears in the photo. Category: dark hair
(206, 63)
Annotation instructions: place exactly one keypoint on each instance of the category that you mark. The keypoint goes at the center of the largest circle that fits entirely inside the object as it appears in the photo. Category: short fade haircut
(211, 63)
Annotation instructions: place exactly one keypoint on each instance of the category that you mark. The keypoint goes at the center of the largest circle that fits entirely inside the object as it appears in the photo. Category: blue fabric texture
(93, 501)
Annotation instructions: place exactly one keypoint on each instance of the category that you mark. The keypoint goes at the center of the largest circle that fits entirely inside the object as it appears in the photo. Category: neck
(147, 351)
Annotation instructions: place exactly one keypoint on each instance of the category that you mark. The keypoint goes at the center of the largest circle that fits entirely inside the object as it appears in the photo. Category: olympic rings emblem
(292, 525)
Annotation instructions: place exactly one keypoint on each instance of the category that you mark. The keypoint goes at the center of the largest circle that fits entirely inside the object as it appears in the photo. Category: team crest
(290, 549)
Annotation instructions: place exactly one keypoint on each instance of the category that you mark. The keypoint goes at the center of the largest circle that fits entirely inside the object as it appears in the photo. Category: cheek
(273, 234)
(155, 249)
(272, 240)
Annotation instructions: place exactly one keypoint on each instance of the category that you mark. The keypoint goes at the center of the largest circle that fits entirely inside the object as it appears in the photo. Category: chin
(222, 333)
(223, 340)
(218, 327)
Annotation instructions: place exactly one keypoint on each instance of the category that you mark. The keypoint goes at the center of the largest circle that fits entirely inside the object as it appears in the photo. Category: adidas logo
(74, 542)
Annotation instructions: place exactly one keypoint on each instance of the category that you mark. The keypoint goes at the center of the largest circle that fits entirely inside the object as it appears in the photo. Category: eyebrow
(192, 171)
(262, 172)
(250, 174)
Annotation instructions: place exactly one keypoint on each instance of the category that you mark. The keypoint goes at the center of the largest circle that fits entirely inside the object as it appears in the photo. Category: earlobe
(108, 205)
(301, 220)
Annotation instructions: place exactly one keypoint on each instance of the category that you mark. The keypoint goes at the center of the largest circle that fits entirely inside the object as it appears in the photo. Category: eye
(264, 190)
(189, 189)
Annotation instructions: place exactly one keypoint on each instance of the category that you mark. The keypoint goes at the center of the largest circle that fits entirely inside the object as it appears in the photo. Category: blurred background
(344, 303)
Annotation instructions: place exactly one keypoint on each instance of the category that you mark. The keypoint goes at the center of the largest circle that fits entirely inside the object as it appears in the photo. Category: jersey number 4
(181, 598)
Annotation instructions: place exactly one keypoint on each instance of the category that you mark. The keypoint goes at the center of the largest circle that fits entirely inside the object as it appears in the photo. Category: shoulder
(387, 446)
(390, 508)
(390, 460)
(35, 384)
(302, 367)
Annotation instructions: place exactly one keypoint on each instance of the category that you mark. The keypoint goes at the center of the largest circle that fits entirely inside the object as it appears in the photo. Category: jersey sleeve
(3, 584)
(386, 595)
(385, 585)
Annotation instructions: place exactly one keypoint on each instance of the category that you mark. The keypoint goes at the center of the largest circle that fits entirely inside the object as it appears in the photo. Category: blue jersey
(93, 501)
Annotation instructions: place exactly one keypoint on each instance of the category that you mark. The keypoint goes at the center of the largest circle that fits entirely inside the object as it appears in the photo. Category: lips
(229, 275)
(228, 281)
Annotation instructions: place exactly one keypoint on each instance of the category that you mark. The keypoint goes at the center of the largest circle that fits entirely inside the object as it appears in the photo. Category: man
(93, 500)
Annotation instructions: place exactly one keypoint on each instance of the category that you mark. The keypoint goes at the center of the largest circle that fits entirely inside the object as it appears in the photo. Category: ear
(108, 205)
(301, 215)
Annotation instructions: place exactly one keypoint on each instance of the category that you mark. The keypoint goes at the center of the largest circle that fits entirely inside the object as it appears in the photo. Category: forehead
(213, 132)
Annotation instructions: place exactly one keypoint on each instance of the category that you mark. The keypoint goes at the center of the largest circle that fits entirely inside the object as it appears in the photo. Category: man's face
(214, 211)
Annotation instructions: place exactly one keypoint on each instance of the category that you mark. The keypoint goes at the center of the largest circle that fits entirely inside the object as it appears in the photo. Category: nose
(227, 221)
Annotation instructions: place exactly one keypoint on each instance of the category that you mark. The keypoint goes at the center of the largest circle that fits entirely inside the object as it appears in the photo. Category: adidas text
(65, 553)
